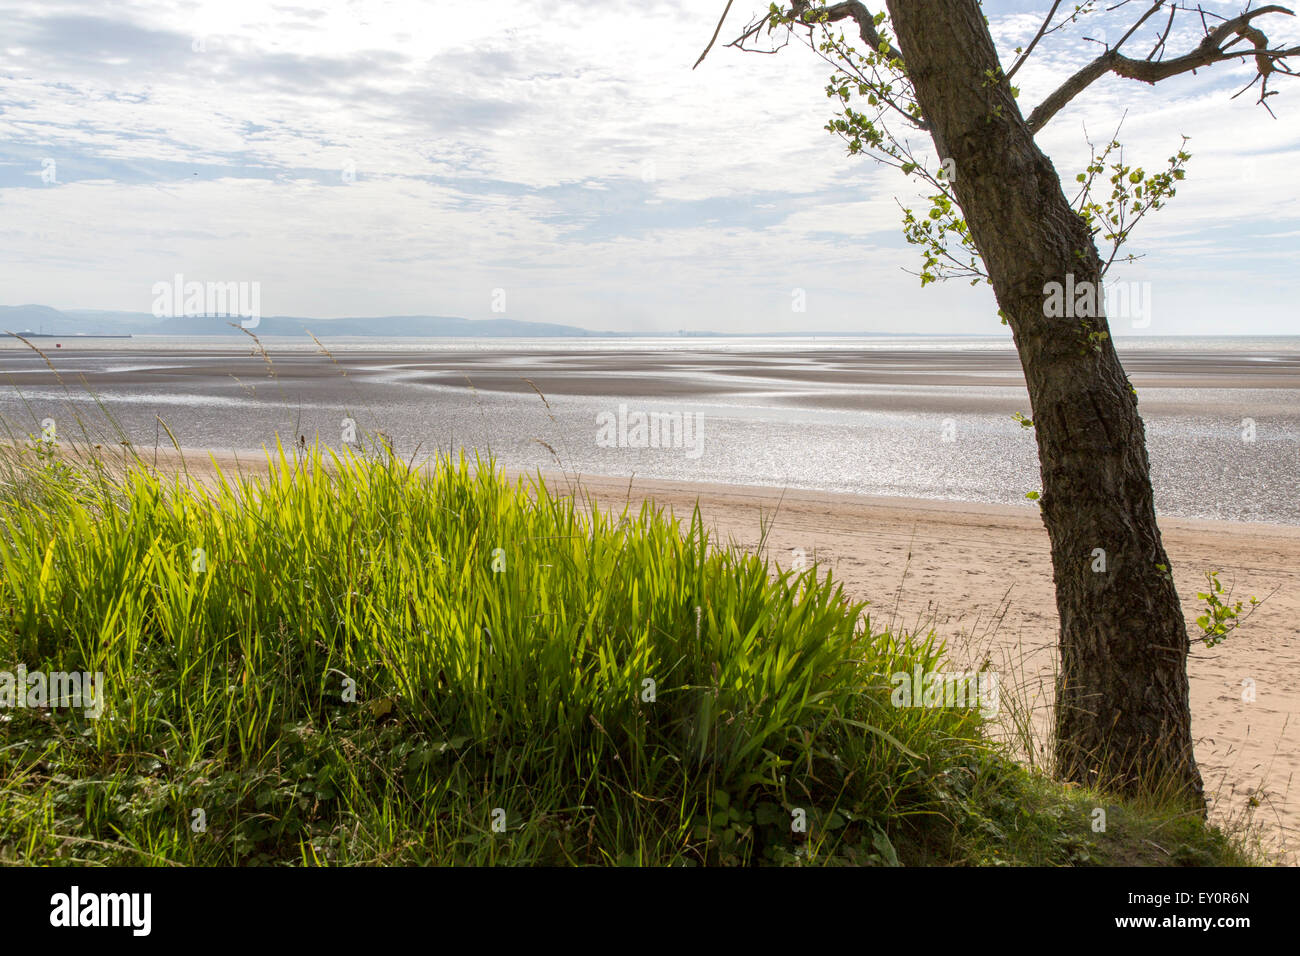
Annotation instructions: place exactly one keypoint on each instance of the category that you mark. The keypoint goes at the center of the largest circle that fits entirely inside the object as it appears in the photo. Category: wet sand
(913, 422)
(830, 376)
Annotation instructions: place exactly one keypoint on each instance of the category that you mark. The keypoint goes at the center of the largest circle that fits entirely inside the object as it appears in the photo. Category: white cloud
(566, 152)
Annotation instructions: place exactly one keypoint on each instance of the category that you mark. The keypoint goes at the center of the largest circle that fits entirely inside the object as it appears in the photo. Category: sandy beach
(980, 577)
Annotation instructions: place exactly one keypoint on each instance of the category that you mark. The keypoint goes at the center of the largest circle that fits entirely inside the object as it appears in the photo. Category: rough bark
(1123, 711)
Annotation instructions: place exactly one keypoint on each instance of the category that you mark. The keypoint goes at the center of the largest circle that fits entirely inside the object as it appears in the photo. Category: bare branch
(1155, 7)
(1214, 48)
(716, 31)
(1160, 44)
(1042, 31)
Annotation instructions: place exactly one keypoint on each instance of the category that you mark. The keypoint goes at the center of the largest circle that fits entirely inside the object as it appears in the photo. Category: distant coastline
(29, 334)
(106, 324)
(43, 321)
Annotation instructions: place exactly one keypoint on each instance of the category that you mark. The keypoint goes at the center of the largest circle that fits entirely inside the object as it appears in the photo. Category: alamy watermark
(1118, 301)
(241, 300)
(129, 910)
(38, 690)
(684, 430)
(959, 689)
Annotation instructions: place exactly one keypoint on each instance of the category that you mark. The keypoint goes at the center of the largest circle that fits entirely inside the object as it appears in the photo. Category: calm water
(783, 412)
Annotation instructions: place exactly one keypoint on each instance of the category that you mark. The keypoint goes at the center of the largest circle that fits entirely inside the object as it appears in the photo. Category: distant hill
(39, 318)
(387, 326)
(42, 318)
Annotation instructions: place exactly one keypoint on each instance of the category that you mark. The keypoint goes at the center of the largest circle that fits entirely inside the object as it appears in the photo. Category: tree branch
(1033, 43)
(1212, 49)
(716, 31)
(856, 11)
(799, 9)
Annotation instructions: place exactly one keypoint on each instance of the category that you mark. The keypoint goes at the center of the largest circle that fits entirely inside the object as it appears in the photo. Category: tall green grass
(350, 660)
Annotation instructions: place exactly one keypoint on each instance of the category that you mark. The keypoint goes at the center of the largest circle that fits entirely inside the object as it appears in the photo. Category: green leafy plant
(383, 664)
(1221, 615)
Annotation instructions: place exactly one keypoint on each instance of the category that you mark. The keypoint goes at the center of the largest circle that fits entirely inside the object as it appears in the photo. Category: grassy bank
(348, 661)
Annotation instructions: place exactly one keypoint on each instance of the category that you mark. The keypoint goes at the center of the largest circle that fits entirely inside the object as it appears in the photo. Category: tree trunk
(1123, 717)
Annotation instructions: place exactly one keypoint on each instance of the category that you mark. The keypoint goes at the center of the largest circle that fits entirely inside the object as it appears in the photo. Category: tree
(1123, 716)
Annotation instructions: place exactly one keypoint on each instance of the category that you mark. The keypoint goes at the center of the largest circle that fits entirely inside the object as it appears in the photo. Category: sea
(931, 417)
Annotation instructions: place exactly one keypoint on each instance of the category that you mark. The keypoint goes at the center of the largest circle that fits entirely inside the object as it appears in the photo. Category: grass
(346, 660)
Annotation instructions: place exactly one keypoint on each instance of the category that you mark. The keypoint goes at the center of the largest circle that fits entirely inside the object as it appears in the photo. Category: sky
(560, 161)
